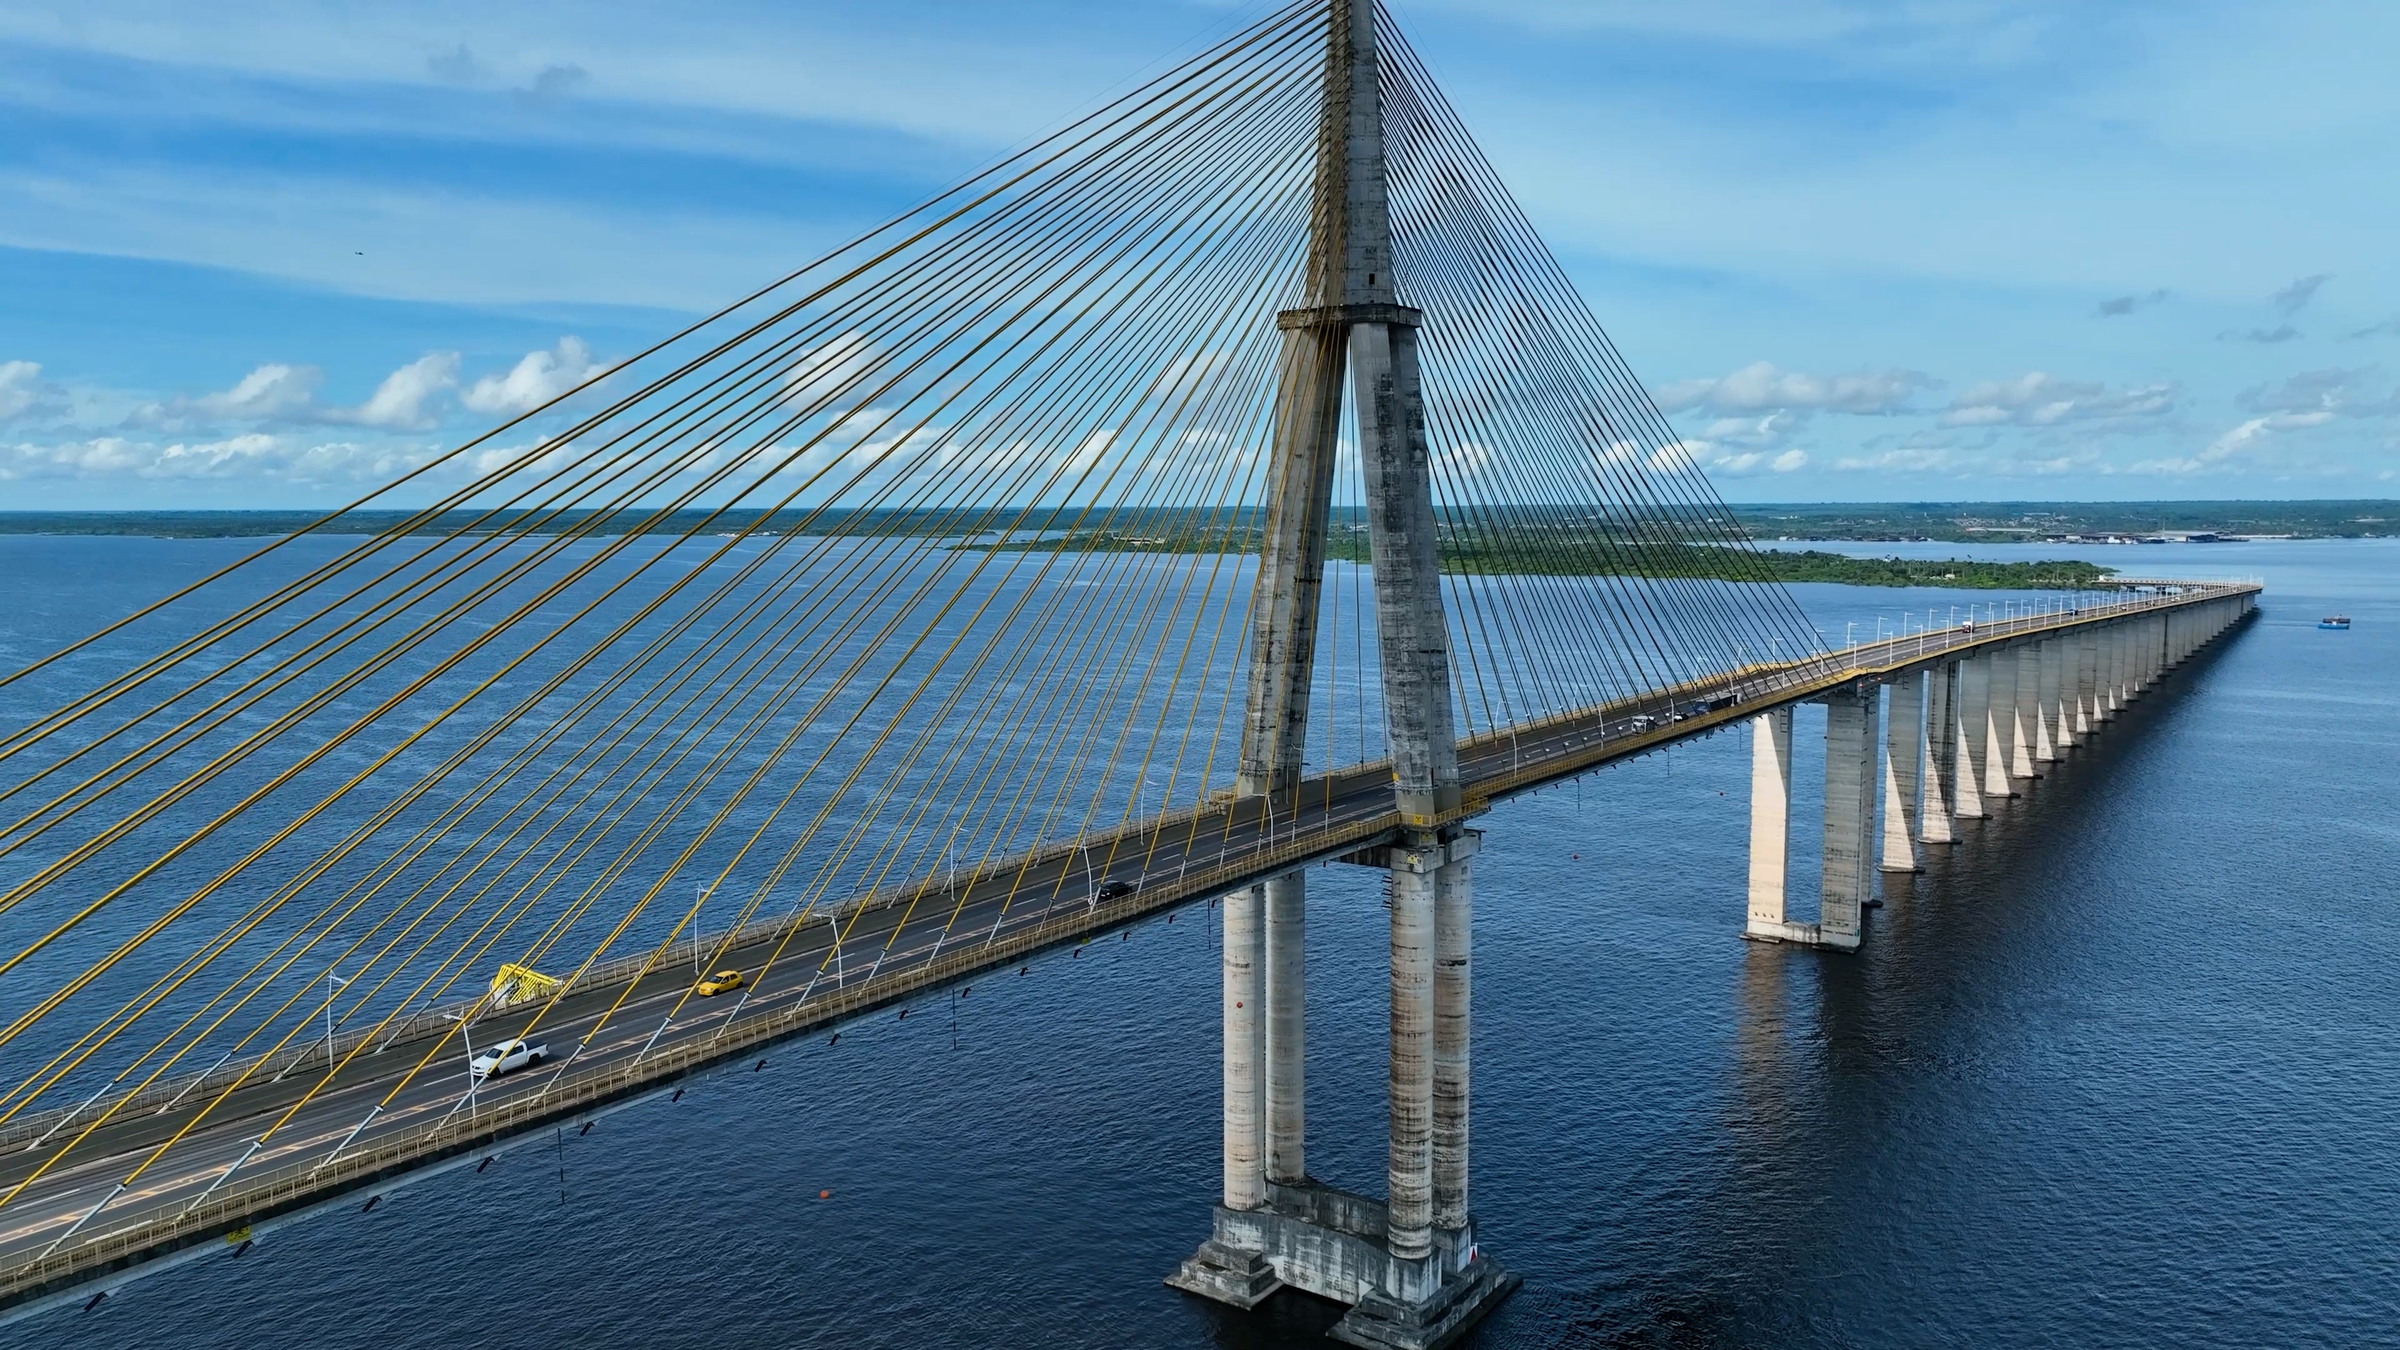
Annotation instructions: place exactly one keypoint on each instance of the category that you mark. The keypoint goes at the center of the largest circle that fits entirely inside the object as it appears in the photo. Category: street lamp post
(333, 985)
(465, 1020)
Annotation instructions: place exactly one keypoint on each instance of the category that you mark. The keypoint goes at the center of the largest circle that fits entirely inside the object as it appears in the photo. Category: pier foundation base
(1331, 1243)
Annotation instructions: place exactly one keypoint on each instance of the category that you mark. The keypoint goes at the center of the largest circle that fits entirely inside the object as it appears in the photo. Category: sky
(269, 253)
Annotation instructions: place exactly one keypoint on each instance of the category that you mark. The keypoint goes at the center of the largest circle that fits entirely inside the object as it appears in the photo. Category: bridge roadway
(621, 1035)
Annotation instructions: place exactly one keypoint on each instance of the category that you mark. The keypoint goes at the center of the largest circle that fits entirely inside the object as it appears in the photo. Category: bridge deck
(634, 1029)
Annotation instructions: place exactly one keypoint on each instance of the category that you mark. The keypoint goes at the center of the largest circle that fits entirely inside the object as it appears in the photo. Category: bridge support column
(1969, 710)
(2086, 664)
(2026, 666)
(1409, 1156)
(1903, 768)
(2047, 748)
(2058, 692)
(1941, 746)
(1849, 816)
(1244, 1008)
(1287, 1028)
(2112, 671)
(1453, 1026)
(1999, 704)
(1770, 824)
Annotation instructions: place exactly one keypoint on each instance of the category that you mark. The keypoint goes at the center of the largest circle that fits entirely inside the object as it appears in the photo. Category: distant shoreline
(1792, 522)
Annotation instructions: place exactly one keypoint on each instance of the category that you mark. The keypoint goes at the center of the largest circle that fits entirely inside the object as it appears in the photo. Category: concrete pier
(1849, 835)
(1903, 770)
(1409, 1159)
(1244, 1007)
(2055, 726)
(1849, 815)
(2026, 668)
(1770, 824)
(1286, 960)
(1941, 748)
(1453, 1039)
(2086, 663)
(1999, 706)
(1971, 711)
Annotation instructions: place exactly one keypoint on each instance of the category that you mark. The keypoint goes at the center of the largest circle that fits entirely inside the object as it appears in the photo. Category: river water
(2121, 1069)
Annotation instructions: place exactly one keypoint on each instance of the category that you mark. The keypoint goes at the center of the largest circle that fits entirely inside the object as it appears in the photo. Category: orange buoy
(824, 1195)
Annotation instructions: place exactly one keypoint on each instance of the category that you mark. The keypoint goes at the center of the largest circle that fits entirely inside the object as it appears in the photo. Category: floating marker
(824, 1195)
(587, 1125)
(837, 1039)
(95, 1300)
(760, 1065)
(482, 1165)
(677, 1097)
(369, 1207)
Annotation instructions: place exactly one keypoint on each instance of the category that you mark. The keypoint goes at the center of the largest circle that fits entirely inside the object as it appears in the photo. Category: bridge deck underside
(651, 1035)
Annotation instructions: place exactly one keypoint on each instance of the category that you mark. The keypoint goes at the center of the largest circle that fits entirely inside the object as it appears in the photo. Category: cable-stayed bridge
(1227, 483)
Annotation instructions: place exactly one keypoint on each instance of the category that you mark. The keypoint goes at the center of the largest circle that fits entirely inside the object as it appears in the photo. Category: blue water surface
(2119, 1070)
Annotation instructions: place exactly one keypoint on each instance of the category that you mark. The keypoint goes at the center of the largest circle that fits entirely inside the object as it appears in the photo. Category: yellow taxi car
(718, 983)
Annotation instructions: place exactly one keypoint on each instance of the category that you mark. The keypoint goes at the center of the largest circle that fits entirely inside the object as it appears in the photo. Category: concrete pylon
(1941, 748)
(1409, 1266)
(1286, 1074)
(2047, 748)
(2087, 682)
(1848, 875)
(1903, 769)
(1453, 1039)
(1244, 965)
(2025, 671)
(1999, 709)
(1770, 822)
(1968, 713)
(2058, 693)
(1409, 1159)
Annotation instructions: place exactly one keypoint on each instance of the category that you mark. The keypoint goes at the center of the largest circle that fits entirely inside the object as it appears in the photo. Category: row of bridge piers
(1959, 735)
(1963, 730)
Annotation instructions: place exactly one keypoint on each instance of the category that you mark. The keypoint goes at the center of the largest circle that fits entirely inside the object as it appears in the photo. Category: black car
(1114, 890)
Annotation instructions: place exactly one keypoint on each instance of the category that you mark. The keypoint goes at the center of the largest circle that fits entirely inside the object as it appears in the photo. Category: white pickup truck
(507, 1057)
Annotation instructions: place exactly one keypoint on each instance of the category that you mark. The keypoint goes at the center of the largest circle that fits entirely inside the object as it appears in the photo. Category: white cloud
(1087, 456)
(1463, 460)
(25, 394)
(1761, 387)
(286, 394)
(535, 380)
(2037, 399)
(402, 399)
(254, 455)
(272, 390)
(1731, 463)
(829, 371)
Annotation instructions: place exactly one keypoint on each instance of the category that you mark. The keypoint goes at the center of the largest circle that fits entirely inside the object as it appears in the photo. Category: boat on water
(2339, 623)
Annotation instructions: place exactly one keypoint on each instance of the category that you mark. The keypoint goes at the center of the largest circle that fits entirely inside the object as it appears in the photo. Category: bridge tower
(1409, 1264)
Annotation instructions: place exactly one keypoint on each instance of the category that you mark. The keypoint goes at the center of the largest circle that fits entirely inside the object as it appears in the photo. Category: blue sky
(259, 253)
